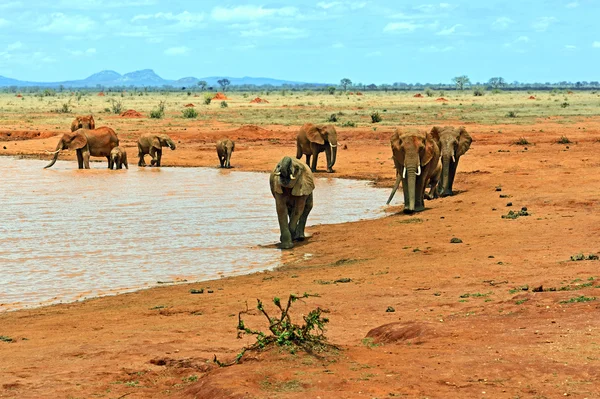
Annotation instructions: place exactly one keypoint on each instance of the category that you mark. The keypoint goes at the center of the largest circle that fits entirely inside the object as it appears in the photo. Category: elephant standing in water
(292, 186)
(224, 149)
(453, 143)
(313, 139)
(83, 122)
(118, 159)
(88, 143)
(416, 156)
(150, 143)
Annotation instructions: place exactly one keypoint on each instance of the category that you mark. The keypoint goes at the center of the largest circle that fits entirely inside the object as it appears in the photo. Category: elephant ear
(331, 135)
(232, 146)
(396, 142)
(79, 141)
(92, 122)
(435, 132)
(304, 182)
(314, 135)
(156, 143)
(431, 148)
(464, 141)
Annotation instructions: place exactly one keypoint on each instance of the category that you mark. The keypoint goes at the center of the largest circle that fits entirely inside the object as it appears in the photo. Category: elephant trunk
(409, 207)
(58, 148)
(227, 164)
(333, 155)
(398, 179)
(171, 144)
(446, 159)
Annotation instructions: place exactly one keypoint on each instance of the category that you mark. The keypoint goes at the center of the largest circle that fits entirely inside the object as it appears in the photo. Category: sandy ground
(467, 320)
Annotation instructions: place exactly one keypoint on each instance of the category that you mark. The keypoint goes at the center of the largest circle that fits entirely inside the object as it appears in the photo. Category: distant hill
(146, 78)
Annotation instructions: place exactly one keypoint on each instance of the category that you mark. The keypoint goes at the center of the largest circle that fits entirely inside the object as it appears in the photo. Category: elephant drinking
(416, 157)
(453, 143)
(224, 149)
(150, 143)
(88, 143)
(314, 139)
(118, 159)
(292, 186)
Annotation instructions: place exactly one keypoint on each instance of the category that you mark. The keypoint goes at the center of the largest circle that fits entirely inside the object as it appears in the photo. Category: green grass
(580, 299)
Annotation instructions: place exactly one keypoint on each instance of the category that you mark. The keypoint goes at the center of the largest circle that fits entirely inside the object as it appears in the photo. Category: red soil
(131, 113)
(358, 93)
(19, 95)
(259, 100)
(220, 96)
(442, 99)
(189, 105)
(418, 95)
(101, 94)
(532, 97)
(351, 93)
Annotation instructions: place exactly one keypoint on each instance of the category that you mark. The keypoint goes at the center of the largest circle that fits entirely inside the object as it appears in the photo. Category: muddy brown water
(69, 234)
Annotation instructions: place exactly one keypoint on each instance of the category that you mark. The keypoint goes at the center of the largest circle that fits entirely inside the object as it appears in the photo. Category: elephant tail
(396, 185)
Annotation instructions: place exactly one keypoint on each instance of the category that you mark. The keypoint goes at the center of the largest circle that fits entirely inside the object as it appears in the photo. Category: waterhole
(69, 234)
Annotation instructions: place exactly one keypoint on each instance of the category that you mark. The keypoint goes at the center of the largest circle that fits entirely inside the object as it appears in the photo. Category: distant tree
(202, 84)
(461, 81)
(331, 89)
(345, 83)
(224, 83)
(372, 86)
(497, 83)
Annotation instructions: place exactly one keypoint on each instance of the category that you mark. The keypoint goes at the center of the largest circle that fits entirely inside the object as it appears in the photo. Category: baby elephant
(118, 159)
(224, 149)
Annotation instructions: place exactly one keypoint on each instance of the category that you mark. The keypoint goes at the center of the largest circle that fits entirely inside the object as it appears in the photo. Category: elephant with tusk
(416, 157)
(150, 143)
(292, 187)
(224, 149)
(88, 143)
(314, 139)
(453, 143)
(83, 122)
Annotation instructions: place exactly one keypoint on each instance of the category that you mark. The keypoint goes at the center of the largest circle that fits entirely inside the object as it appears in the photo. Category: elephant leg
(222, 161)
(297, 212)
(452, 174)
(328, 156)
(299, 236)
(420, 186)
(79, 159)
(314, 162)
(158, 157)
(86, 160)
(282, 214)
(308, 159)
(109, 162)
(154, 155)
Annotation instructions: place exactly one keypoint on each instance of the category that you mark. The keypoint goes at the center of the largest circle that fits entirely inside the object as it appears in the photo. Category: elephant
(292, 187)
(224, 149)
(83, 122)
(118, 158)
(88, 143)
(434, 181)
(453, 143)
(416, 156)
(313, 139)
(150, 143)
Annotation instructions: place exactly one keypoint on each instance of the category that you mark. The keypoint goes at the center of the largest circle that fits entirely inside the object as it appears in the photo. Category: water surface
(67, 234)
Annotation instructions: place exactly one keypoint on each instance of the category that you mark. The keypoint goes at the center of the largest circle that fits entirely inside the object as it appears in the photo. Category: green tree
(497, 83)
(224, 83)
(345, 83)
(331, 89)
(202, 84)
(461, 82)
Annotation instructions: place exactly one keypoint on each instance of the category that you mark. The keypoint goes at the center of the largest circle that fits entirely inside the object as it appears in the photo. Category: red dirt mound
(351, 93)
(259, 100)
(246, 129)
(532, 97)
(220, 96)
(400, 332)
(101, 94)
(418, 95)
(131, 113)
(358, 93)
(569, 92)
(19, 95)
(442, 99)
(189, 105)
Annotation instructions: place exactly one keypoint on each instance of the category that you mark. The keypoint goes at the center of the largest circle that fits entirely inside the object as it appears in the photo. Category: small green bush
(348, 124)
(224, 104)
(522, 141)
(564, 140)
(207, 99)
(190, 113)
(564, 105)
(428, 92)
(116, 107)
(375, 117)
(511, 114)
(478, 92)
(332, 118)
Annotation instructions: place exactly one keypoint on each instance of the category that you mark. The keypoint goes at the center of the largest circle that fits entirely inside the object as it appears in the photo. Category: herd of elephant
(421, 160)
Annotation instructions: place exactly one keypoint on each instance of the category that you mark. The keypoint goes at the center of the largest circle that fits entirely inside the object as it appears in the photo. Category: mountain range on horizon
(145, 78)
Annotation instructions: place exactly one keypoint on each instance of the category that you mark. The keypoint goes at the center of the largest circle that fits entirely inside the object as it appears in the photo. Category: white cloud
(573, 4)
(12, 4)
(430, 8)
(185, 18)
(357, 5)
(79, 53)
(448, 31)
(338, 45)
(522, 39)
(326, 6)
(596, 44)
(435, 49)
(570, 47)
(401, 27)
(88, 4)
(181, 50)
(61, 23)
(282, 33)
(251, 12)
(374, 54)
(3, 22)
(543, 23)
(502, 23)
(14, 46)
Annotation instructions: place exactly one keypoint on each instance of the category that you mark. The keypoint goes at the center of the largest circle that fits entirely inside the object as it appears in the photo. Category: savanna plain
(508, 309)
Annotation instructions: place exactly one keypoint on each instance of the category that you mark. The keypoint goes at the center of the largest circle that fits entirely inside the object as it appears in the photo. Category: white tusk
(277, 173)
(404, 173)
(453, 159)
(332, 146)
(419, 171)
(52, 152)
(292, 177)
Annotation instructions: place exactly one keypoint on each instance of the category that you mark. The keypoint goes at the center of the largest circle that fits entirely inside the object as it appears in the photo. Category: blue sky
(368, 41)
